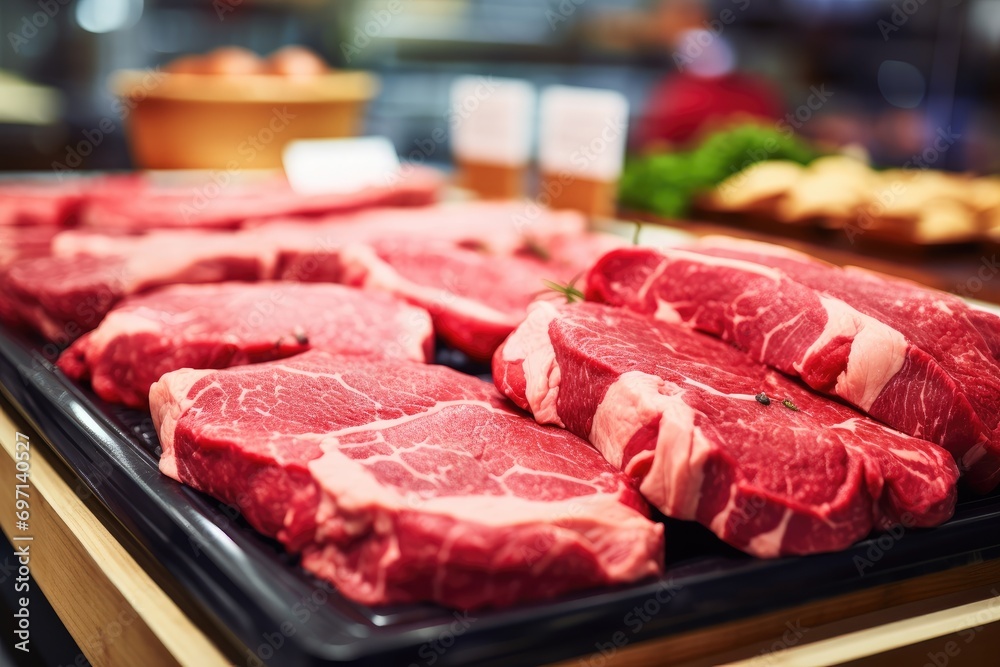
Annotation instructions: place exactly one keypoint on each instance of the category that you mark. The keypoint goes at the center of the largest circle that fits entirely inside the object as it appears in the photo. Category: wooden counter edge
(885, 638)
(113, 609)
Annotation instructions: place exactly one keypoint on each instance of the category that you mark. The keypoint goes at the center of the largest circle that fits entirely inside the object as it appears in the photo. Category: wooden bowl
(235, 122)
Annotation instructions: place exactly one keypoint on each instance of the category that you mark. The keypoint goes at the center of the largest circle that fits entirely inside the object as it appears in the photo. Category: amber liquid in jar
(594, 198)
(491, 181)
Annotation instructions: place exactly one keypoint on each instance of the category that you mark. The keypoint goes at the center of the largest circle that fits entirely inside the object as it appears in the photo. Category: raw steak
(448, 259)
(38, 204)
(24, 242)
(17, 243)
(92, 267)
(964, 341)
(229, 324)
(210, 206)
(677, 411)
(475, 298)
(492, 227)
(57, 203)
(403, 482)
(302, 246)
(860, 357)
(64, 297)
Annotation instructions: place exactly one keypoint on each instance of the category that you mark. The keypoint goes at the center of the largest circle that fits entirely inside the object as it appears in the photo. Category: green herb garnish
(668, 184)
(568, 290)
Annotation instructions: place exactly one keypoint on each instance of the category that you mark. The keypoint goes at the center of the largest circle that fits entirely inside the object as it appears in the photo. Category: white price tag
(583, 132)
(315, 166)
(491, 120)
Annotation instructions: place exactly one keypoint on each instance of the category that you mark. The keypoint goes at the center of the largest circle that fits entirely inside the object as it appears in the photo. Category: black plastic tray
(274, 613)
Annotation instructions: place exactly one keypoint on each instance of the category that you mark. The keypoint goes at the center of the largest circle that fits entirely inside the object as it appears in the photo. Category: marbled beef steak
(231, 324)
(403, 482)
(137, 204)
(68, 294)
(920, 360)
(64, 297)
(862, 357)
(965, 341)
(707, 433)
(476, 298)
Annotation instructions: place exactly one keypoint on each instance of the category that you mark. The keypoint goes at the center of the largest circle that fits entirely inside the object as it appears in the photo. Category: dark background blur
(896, 72)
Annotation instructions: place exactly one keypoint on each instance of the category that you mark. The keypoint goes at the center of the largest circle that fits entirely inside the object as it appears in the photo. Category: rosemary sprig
(569, 290)
(635, 234)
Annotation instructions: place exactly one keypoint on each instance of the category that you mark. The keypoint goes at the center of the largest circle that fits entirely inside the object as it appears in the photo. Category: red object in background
(680, 105)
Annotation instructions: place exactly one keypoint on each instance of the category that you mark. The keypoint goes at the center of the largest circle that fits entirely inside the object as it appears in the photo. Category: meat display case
(249, 588)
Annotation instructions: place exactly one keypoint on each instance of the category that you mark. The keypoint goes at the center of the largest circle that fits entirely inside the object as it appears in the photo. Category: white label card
(583, 132)
(491, 119)
(316, 166)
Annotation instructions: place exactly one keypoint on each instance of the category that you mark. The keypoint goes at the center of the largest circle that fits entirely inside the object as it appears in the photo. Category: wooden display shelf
(112, 607)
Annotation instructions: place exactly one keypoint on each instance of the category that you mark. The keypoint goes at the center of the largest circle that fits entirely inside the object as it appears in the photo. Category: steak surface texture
(64, 297)
(885, 347)
(404, 482)
(475, 298)
(963, 340)
(232, 324)
(141, 205)
(710, 435)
